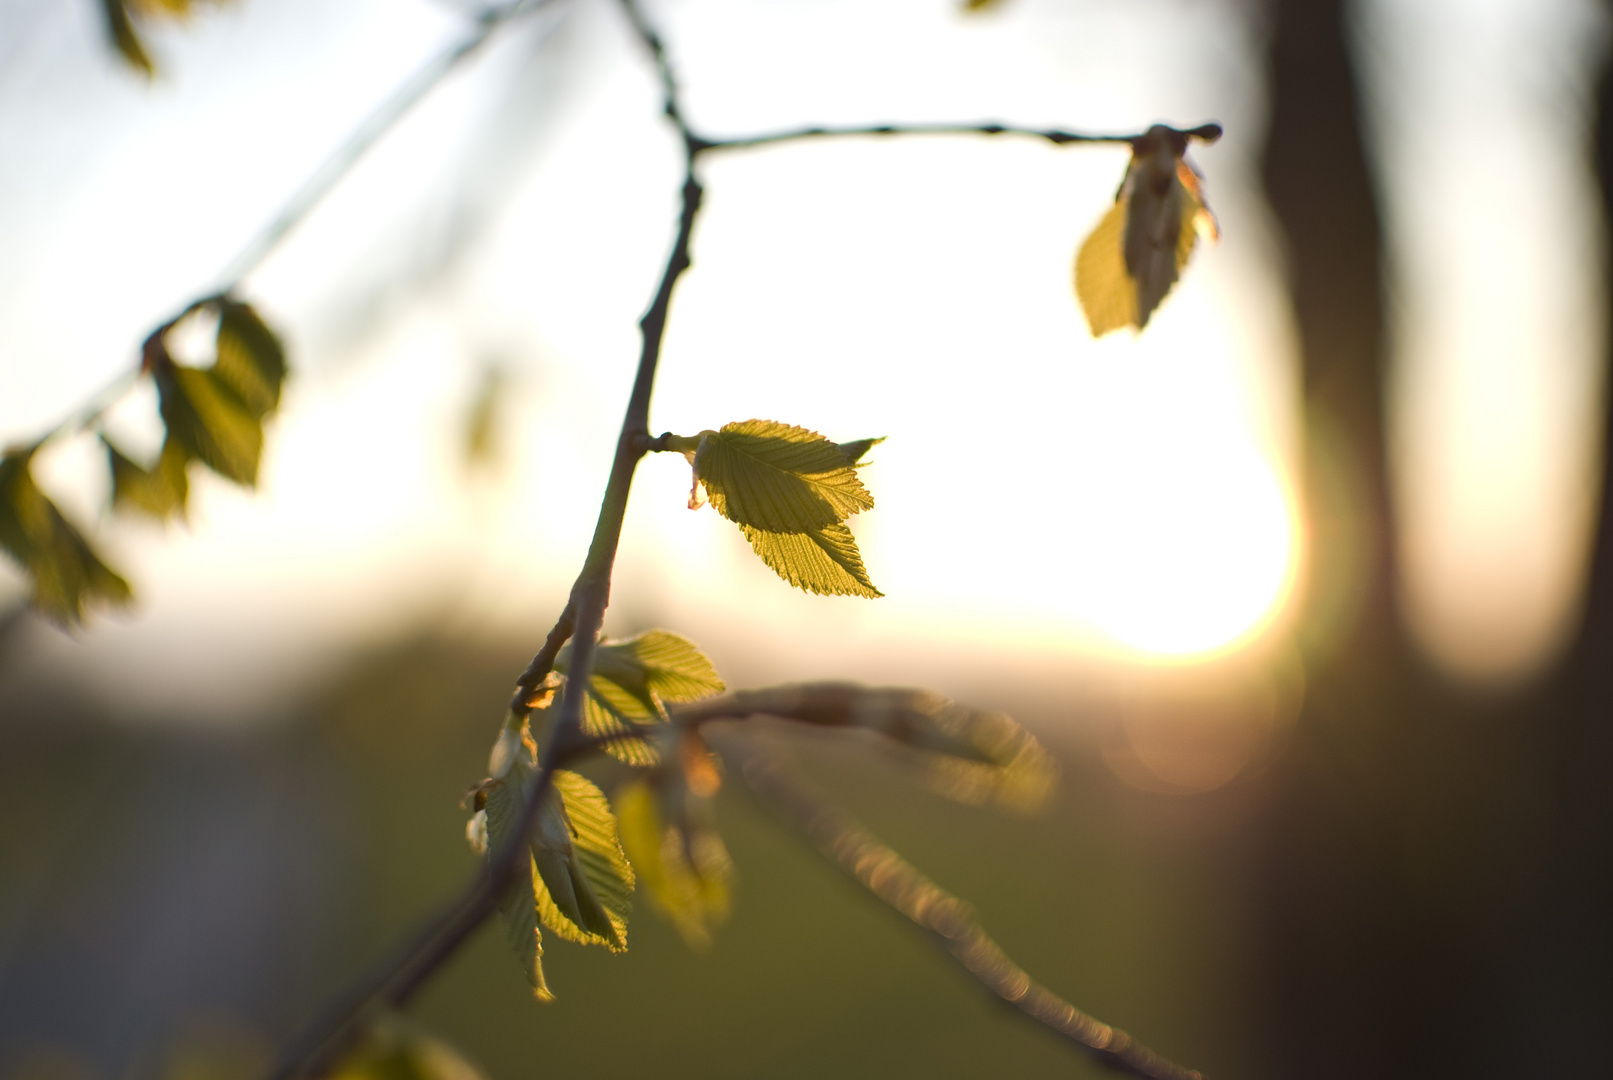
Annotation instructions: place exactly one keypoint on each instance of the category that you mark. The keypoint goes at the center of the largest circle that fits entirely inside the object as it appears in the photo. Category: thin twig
(363, 137)
(896, 882)
(313, 191)
(1054, 136)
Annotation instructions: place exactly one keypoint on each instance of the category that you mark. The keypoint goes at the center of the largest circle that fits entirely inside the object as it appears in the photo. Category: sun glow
(1195, 551)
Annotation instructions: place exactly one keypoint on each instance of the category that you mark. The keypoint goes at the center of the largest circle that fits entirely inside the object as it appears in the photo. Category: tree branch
(886, 875)
(394, 982)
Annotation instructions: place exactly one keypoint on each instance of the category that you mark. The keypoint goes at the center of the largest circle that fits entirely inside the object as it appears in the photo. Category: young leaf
(161, 492)
(586, 883)
(250, 360)
(209, 421)
(687, 871)
(777, 477)
(1132, 259)
(632, 682)
(519, 906)
(67, 574)
(823, 561)
(1107, 293)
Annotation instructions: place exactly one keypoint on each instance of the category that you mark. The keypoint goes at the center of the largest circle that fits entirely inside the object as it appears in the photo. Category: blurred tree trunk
(1561, 961)
(1349, 959)
(1438, 867)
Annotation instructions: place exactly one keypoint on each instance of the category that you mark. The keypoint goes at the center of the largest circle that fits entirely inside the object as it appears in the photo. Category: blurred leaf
(392, 1051)
(124, 37)
(161, 492)
(120, 16)
(67, 574)
(778, 477)
(209, 421)
(632, 682)
(519, 906)
(823, 561)
(981, 5)
(589, 882)
(1135, 255)
(483, 447)
(250, 359)
(686, 870)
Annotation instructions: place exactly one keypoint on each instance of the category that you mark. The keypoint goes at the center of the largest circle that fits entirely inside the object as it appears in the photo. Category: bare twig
(314, 189)
(896, 882)
(1056, 137)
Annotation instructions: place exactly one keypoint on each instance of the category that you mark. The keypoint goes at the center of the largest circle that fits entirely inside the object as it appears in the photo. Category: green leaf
(519, 906)
(250, 359)
(823, 561)
(777, 477)
(855, 449)
(632, 682)
(687, 874)
(209, 421)
(585, 881)
(161, 492)
(67, 574)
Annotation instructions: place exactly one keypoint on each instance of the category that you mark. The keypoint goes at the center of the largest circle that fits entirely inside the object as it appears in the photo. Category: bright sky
(1041, 494)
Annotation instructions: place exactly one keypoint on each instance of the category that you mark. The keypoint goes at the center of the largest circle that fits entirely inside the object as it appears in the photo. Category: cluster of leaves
(211, 415)
(646, 702)
(790, 491)
(1135, 255)
(123, 16)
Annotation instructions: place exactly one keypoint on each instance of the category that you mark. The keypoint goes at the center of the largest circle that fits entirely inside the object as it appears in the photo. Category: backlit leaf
(823, 561)
(518, 907)
(1135, 255)
(67, 575)
(586, 882)
(778, 477)
(160, 492)
(631, 683)
(209, 421)
(686, 872)
(1107, 293)
(250, 359)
